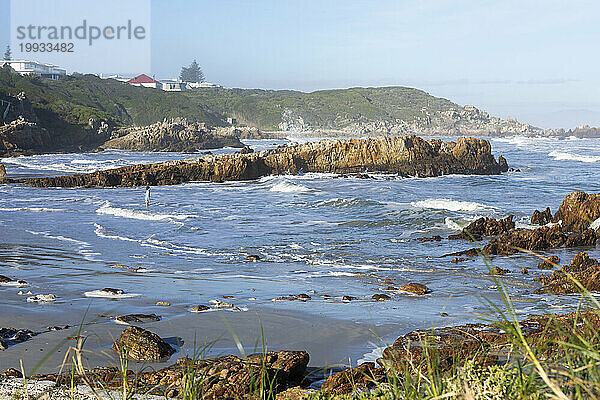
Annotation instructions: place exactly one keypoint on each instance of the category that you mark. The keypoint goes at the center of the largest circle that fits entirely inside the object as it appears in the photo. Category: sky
(536, 61)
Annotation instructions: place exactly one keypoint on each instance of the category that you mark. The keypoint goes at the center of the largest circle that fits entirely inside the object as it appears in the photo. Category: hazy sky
(534, 60)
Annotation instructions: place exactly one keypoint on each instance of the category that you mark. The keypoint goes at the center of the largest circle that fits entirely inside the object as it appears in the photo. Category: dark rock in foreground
(216, 378)
(142, 345)
(406, 156)
(582, 269)
(360, 378)
(578, 211)
(485, 343)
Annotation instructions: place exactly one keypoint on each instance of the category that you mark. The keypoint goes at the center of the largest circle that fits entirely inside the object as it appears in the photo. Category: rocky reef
(173, 135)
(485, 226)
(406, 156)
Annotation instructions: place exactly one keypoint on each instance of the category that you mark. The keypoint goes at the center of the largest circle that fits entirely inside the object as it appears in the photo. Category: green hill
(69, 103)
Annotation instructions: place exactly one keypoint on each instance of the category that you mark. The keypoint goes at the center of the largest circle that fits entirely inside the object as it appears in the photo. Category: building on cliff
(145, 81)
(25, 67)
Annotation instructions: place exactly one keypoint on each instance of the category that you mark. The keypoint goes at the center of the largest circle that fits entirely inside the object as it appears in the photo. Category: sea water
(318, 234)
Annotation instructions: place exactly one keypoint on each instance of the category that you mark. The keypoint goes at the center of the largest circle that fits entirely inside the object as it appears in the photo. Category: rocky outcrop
(485, 227)
(142, 345)
(173, 135)
(578, 211)
(23, 133)
(549, 262)
(542, 238)
(541, 217)
(582, 270)
(406, 156)
(485, 343)
(227, 377)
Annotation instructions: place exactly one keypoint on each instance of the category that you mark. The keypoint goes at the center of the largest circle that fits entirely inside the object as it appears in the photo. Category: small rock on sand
(415, 288)
(199, 308)
(137, 318)
(380, 297)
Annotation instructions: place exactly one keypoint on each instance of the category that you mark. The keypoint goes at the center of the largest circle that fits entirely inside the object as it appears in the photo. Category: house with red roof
(145, 81)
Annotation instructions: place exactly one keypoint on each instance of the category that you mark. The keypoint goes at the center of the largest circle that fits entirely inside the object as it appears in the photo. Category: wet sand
(328, 341)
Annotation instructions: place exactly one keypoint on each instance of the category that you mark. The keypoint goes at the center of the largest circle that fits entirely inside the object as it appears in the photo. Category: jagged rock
(360, 378)
(112, 291)
(406, 156)
(541, 217)
(137, 318)
(5, 279)
(582, 269)
(3, 177)
(549, 262)
(253, 257)
(142, 345)
(416, 288)
(246, 150)
(578, 211)
(485, 227)
(347, 299)
(172, 135)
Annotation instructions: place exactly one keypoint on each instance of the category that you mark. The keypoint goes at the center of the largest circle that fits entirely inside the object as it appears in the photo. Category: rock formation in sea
(406, 156)
(173, 135)
(485, 226)
(578, 211)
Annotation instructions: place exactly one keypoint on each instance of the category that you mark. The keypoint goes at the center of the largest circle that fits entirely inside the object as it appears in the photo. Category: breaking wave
(108, 209)
(451, 205)
(289, 187)
(565, 156)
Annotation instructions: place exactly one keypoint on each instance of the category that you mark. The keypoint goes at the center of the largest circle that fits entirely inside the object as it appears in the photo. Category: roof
(143, 78)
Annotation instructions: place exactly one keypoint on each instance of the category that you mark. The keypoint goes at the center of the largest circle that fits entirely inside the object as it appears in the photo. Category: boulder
(415, 288)
(405, 156)
(582, 269)
(381, 297)
(578, 211)
(541, 217)
(142, 345)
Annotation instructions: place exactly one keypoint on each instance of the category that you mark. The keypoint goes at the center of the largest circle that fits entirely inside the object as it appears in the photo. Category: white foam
(596, 224)
(288, 187)
(565, 156)
(108, 209)
(41, 298)
(109, 295)
(17, 284)
(372, 356)
(451, 205)
(450, 224)
(36, 209)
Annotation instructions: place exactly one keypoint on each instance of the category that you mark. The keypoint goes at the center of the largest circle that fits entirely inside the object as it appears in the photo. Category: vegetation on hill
(75, 99)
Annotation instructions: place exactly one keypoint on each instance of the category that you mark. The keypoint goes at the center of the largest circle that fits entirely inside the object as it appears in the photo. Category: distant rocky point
(405, 156)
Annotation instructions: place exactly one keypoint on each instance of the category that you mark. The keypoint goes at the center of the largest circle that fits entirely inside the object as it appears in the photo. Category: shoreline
(283, 330)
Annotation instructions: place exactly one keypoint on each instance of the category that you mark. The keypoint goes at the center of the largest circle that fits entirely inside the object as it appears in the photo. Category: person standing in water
(147, 196)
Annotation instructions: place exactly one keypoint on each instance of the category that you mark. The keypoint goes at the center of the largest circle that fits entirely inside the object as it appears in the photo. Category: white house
(24, 67)
(173, 85)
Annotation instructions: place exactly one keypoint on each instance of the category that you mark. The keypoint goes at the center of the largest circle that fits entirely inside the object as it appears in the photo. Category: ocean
(319, 234)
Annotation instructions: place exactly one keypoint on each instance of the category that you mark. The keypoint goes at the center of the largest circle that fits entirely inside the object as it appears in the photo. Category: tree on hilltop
(8, 53)
(193, 73)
